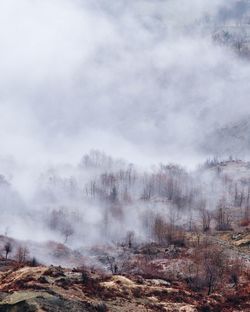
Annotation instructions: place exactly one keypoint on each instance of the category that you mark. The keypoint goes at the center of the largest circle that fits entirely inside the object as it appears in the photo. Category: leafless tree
(130, 238)
(160, 230)
(67, 230)
(8, 249)
(214, 263)
(113, 267)
(222, 216)
(21, 254)
(208, 270)
(206, 219)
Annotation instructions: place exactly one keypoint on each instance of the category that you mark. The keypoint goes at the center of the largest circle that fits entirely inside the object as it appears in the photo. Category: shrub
(245, 223)
(100, 307)
(85, 278)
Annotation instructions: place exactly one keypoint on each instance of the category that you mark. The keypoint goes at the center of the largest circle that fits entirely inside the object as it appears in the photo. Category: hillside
(153, 286)
(124, 156)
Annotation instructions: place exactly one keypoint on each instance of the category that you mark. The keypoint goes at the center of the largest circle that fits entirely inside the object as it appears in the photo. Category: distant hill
(232, 139)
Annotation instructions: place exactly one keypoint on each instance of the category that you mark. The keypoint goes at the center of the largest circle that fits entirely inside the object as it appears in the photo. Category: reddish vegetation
(153, 278)
(245, 223)
(199, 266)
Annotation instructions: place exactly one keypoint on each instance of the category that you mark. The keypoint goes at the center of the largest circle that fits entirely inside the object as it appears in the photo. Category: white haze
(142, 80)
(136, 78)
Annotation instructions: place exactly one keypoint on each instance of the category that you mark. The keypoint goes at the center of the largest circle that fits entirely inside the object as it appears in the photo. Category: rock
(243, 240)
(158, 282)
(54, 271)
(237, 236)
(43, 280)
(42, 301)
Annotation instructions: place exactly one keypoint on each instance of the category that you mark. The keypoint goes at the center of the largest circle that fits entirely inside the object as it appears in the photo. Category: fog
(140, 80)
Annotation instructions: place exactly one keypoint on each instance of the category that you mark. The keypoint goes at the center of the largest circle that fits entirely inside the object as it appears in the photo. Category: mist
(145, 78)
(145, 81)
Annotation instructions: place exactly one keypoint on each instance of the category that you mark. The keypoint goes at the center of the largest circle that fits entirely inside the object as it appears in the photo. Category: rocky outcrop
(53, 289)
(57, 289)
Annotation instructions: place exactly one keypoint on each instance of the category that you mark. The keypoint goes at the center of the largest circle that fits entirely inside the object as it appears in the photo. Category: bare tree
(222, 216)
(197, 234)
(206, 219)
(235, 270)
(8, 249)
(130, 238)
(209, 268)
(67, 230)
(214, 264)
(113, 195)
(160, 230)
(22, 253)
(112, 265)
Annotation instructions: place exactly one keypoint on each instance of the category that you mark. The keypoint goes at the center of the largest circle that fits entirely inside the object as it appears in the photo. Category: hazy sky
(138, 79)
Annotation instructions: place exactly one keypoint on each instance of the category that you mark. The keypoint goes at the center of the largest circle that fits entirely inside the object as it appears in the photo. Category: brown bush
(209, 269)
(244, 223)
